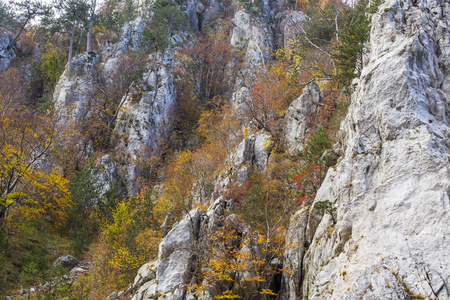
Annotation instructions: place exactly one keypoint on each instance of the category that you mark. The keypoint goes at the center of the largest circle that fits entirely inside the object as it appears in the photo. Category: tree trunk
(70, 51)
(12, 43)
(89, 39)
(79, 41)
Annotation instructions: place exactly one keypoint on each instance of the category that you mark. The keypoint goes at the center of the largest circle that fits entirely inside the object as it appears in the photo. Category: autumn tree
(24, 142)
(238, 264)
(220, 129)
(127, 241)
(67, 17)
(202, 77)
(111, 90)
(274, 89)
(25, 11)
(209, 57)
(240, 255)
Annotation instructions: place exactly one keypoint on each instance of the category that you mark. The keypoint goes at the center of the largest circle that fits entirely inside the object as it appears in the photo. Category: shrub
(315, 147)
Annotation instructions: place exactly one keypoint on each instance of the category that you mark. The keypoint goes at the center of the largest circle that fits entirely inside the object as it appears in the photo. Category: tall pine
(350, 50)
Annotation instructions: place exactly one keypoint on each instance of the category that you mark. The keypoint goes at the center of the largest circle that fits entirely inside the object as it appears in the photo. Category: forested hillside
(234, 149)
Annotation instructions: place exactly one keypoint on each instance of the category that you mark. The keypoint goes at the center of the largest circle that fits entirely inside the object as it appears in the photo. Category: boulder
(67, 261)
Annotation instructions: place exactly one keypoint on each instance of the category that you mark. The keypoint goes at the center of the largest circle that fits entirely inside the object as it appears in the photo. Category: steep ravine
(390, 186)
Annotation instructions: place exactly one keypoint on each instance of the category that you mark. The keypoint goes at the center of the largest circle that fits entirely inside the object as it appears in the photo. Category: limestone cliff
(391, 186)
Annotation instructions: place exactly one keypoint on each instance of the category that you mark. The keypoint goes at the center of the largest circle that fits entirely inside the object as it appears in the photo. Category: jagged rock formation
(254, 35)
(71, 97)
(182, 246)
(105, 173)
(147, 122)
(144, 119)
(391, 186)
(290, 27)
(6, 52)
(130, 39)
(297, 118)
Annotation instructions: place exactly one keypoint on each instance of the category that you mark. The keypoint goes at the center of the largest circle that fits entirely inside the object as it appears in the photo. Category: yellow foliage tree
(238, 265)
(125, 244)
(27, 178)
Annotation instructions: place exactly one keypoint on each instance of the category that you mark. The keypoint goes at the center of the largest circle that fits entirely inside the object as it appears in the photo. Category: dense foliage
(51, 202)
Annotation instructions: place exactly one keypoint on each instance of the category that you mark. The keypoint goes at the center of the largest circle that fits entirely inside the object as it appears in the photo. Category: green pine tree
(81, 220)
(349, 53)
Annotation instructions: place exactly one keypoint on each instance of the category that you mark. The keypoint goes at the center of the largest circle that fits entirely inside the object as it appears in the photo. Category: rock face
(71, 97)
(253, 150)
(145, 118)
(391, 187)
(6, 52)
(176, 253)
(67, 261)
(130, 39)
(105, 173)
(297, 117)
(147, 122)
(145, 283)
(254, 35)
(290, 27)
(173, 269)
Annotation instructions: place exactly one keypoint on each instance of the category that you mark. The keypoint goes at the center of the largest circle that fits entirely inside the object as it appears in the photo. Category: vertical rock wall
(391, 188)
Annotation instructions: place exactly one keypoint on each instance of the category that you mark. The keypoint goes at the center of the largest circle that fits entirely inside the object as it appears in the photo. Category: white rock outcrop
(71, 98)
(130, 39)
(6, 52)
(290, 27)
(105, 174)
(391, 187)
(146, 123)
(165, 278)
(254, 35)
(298, 117)
(254, 151)
(175, 256)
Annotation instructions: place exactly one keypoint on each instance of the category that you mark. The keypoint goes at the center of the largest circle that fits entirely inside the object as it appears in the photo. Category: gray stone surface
(130, 39)
(175, 253)
(254, 35)
(105, 174)
(253, 150)
(297, 118)
(391, 186)
(147, 122)
(290, 27)
(7, 54)
(71, 98)
(147, 272)
(67, 261)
